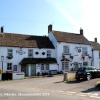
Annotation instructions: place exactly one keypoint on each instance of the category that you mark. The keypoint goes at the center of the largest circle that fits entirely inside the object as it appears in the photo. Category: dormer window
(66, 50)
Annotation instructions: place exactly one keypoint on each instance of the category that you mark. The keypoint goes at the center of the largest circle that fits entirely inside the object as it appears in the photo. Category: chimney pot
(2, 29)
(95, 39)
(81, 31)
(49, 28)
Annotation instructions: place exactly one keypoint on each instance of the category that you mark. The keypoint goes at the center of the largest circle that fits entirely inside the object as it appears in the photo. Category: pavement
(49, 88)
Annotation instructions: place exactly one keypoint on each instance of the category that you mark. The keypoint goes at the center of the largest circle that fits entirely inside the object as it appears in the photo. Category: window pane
(9, 66)
(84, 51)
(15, 68)
(66, 49)
(30, 53)
(48, 53)
(85, 63)
(42, 66)
(10, 52)
(47, 66)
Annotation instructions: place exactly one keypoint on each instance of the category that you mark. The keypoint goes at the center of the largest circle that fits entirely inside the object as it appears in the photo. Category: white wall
(77, 58)
(17, 58)
(53, 67)
(96, 59)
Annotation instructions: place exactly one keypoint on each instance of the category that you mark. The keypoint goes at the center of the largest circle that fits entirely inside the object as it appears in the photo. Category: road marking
(60, 91)
(71, 92)
(94, 97)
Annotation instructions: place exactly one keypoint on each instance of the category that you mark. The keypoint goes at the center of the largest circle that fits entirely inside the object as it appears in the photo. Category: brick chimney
(95, 39)
(81, 31)
(49, 28)
(2, 29)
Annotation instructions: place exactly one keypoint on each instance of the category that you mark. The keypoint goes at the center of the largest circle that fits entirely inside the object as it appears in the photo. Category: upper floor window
(30, 53)
(66, 49)
(48, 53)
(9, 66)
(10, 52)
(84, 51)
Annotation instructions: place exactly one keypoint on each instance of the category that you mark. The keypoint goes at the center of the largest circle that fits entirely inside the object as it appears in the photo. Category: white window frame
(66, 50)
(85, 64)
(15, 68)
(47, 67)
(30, 52)
(85, 51)
(65, 65)
(42, 67)
(48, 53)
(10, 52)
(9, 67)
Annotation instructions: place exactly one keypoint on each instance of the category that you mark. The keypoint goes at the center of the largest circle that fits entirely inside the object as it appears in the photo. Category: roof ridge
(65, 32)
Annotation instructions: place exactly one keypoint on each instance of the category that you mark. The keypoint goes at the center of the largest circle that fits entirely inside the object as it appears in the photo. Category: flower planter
(9, 57)
(90, 57)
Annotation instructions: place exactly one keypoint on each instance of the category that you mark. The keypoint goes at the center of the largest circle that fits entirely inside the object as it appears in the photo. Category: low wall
(69, 76)
(18, 76)
(0, 77)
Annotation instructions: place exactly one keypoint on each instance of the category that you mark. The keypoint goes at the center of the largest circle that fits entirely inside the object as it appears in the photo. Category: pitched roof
(27, 41)
(96, 45)
(70, 37)
(38, 61)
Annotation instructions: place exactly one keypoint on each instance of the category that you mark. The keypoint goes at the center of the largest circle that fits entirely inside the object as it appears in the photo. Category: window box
(71, 56)
(83, 57)
(90, 57)
(9, 57)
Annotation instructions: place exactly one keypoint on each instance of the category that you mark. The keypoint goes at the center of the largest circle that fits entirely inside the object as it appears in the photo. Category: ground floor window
(65, 65)
(9, 66)
(85, 64)
(15, 68)
(47, 67)
(44, 66)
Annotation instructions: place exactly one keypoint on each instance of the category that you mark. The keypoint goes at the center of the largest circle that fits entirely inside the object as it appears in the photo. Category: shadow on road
(75, 81)
(93, 89)
(59, 82)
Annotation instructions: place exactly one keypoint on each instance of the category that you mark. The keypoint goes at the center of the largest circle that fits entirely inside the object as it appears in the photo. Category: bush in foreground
(98, 84)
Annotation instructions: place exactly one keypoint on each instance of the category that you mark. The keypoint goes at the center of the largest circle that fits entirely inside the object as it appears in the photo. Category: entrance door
(33, 70)
(75, 66)
(25, 70)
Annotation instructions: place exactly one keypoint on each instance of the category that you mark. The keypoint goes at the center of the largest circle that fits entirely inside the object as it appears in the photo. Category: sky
(33, 16)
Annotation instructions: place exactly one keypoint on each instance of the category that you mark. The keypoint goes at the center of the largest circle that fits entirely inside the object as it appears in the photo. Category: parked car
(87, 73)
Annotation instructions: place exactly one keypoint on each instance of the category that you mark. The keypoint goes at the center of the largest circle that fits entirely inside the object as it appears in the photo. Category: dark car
(87, 73)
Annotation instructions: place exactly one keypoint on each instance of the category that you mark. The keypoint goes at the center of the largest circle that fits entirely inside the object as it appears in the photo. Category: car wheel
(77, 79)
(88, 77)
